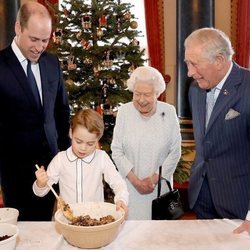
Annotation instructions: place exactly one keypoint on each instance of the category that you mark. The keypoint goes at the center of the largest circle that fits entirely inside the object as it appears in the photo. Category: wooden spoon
(66, 210)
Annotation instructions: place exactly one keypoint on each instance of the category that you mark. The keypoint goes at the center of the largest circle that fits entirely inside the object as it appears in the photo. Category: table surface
(141, 235)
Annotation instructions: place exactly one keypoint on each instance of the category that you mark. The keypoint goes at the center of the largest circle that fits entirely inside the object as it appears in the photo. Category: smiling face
(207, 73)
(145, 98)
(83, 142)
(33, 39)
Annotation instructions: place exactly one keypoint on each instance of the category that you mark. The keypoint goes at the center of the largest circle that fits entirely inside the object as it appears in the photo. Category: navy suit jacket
(223, 149)
(30, 134)
(20, 118)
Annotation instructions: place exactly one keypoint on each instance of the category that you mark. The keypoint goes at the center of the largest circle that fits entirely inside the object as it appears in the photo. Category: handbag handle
(159, 183)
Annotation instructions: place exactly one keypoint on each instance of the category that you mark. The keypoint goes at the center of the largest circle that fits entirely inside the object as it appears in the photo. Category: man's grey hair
(214, 42)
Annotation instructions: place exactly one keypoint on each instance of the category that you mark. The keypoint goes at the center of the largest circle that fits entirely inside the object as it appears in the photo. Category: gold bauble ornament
(99, 32)
(133, 24)
(69, 82)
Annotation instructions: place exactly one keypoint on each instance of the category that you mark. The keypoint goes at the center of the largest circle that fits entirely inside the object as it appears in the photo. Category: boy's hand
(121, 204)
(41, 177)
(245, 226)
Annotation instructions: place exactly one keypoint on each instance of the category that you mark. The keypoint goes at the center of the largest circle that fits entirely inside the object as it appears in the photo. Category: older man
(219, 185)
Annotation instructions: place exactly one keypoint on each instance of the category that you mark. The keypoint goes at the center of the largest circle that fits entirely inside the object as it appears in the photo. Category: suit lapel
(228, 95)
(45, 83)
(20, 75)
(202, 110)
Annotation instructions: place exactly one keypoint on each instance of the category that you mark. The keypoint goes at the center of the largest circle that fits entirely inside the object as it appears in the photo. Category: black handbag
(167, 206)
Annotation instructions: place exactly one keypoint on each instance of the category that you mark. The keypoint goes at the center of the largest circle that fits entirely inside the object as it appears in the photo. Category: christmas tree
(97, 47)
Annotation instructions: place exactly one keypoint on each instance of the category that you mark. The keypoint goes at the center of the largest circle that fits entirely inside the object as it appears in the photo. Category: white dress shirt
(34, 67)
(81, 180)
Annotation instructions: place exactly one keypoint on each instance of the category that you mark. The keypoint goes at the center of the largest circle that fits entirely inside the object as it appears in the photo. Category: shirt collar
(221, 83)
(72, 157)
(17, 51)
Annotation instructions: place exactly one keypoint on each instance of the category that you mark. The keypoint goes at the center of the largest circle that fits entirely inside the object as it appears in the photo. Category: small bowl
(9, 230)
(9, 215)
(90, 236)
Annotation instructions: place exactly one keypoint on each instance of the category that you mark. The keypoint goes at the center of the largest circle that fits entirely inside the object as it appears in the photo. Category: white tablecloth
(141, 235)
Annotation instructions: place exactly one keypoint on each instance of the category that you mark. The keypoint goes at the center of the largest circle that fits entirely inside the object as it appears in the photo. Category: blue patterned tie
(210, 104)
(33, 84)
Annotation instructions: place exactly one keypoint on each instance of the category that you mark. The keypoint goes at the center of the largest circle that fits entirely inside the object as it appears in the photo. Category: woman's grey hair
(214, 42)
(147, 75)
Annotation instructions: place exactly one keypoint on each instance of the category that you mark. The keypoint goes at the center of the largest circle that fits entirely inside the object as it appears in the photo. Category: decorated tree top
(97, 46)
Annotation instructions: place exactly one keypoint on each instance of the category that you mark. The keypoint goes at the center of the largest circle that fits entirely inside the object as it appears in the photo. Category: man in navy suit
(219, 185)
(32, 128)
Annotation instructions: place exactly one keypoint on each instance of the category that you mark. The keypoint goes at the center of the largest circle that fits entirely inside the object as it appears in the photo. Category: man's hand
(245, 226)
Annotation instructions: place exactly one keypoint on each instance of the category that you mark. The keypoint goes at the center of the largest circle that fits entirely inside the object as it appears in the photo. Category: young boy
(80, 169)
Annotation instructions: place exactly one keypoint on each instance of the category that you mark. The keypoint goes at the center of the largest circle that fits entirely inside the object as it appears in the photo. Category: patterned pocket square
(231, 114)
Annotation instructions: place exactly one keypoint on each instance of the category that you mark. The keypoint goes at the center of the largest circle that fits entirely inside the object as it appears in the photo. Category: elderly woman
(146, 136)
